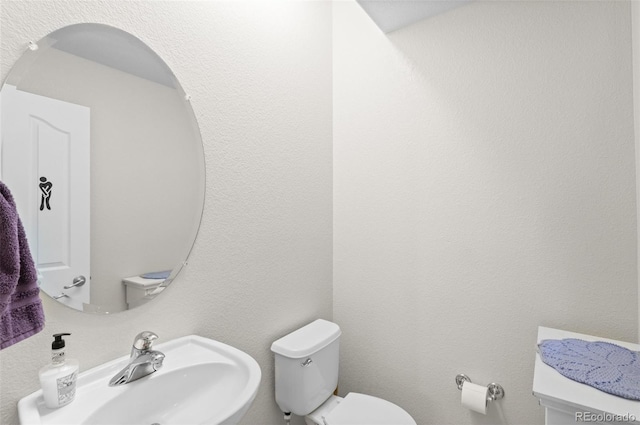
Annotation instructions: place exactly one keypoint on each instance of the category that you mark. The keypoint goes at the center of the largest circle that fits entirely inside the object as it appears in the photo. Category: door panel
(46, 164)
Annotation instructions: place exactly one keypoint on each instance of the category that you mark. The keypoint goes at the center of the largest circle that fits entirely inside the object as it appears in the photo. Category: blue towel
(602, 365)
(157, 275)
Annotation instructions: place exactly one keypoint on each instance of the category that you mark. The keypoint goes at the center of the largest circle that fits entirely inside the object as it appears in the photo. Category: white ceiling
(391, 15)
(114, 48)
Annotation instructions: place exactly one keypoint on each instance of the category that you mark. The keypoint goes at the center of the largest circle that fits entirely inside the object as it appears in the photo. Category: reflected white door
(46, 163)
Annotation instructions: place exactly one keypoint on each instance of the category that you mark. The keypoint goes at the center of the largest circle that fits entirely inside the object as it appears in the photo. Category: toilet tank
(307, 363)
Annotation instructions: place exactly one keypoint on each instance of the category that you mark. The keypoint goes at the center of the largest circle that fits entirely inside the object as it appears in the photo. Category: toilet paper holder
(496, 392)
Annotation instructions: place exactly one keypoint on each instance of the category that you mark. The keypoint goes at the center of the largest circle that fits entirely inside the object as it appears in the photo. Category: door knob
(77, 281)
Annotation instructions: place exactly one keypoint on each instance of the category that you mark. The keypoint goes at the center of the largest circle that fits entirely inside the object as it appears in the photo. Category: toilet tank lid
(307, 340)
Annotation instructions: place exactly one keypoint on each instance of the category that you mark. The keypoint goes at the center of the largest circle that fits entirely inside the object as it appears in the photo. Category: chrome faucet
(142, 362)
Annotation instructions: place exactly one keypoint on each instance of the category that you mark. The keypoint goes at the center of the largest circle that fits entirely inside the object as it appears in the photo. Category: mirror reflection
(103, 155)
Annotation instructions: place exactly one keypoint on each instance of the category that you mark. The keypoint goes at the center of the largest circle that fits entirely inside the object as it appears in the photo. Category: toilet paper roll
(474, 397)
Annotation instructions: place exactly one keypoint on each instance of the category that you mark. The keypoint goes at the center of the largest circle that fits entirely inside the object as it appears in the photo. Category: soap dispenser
(58, 379)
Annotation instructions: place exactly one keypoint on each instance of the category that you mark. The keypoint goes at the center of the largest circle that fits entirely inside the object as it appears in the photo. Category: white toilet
(307, 363)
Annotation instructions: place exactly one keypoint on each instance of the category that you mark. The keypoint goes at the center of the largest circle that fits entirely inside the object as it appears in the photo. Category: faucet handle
(144, 340)
(156, 360)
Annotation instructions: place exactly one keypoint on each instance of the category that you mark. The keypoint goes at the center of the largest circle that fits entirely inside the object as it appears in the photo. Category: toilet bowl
(306, 375)
(359, 409)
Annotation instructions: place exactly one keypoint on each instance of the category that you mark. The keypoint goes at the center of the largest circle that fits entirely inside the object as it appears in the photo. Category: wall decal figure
(45, 188)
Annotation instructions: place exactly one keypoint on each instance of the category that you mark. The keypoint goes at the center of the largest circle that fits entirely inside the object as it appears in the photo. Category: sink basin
(202, 381)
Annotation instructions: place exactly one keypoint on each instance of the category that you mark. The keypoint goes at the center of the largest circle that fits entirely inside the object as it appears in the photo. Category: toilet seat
(362, 409)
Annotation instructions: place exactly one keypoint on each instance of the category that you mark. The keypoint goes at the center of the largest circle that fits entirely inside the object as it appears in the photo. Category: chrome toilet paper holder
(496, 392)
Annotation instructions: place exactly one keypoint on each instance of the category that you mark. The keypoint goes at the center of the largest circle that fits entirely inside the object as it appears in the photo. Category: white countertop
(548, 384)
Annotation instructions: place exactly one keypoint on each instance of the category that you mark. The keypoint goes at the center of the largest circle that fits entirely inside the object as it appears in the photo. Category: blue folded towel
(157, 275)
(602, 365)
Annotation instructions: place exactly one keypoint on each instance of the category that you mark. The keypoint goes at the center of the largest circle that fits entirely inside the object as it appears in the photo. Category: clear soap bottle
(58, 379)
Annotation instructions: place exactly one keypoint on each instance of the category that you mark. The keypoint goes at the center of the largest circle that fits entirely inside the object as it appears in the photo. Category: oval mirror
(103, 155)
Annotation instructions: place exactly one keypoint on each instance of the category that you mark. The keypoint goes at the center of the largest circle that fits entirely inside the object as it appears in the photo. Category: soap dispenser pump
(58, 379)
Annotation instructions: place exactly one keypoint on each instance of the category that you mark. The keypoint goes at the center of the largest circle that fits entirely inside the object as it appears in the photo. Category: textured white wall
(484, 184)
(260, 78)
(635, 11)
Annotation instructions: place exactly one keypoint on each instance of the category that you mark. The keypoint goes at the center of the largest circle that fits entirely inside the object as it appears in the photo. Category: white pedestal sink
(202, 381)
